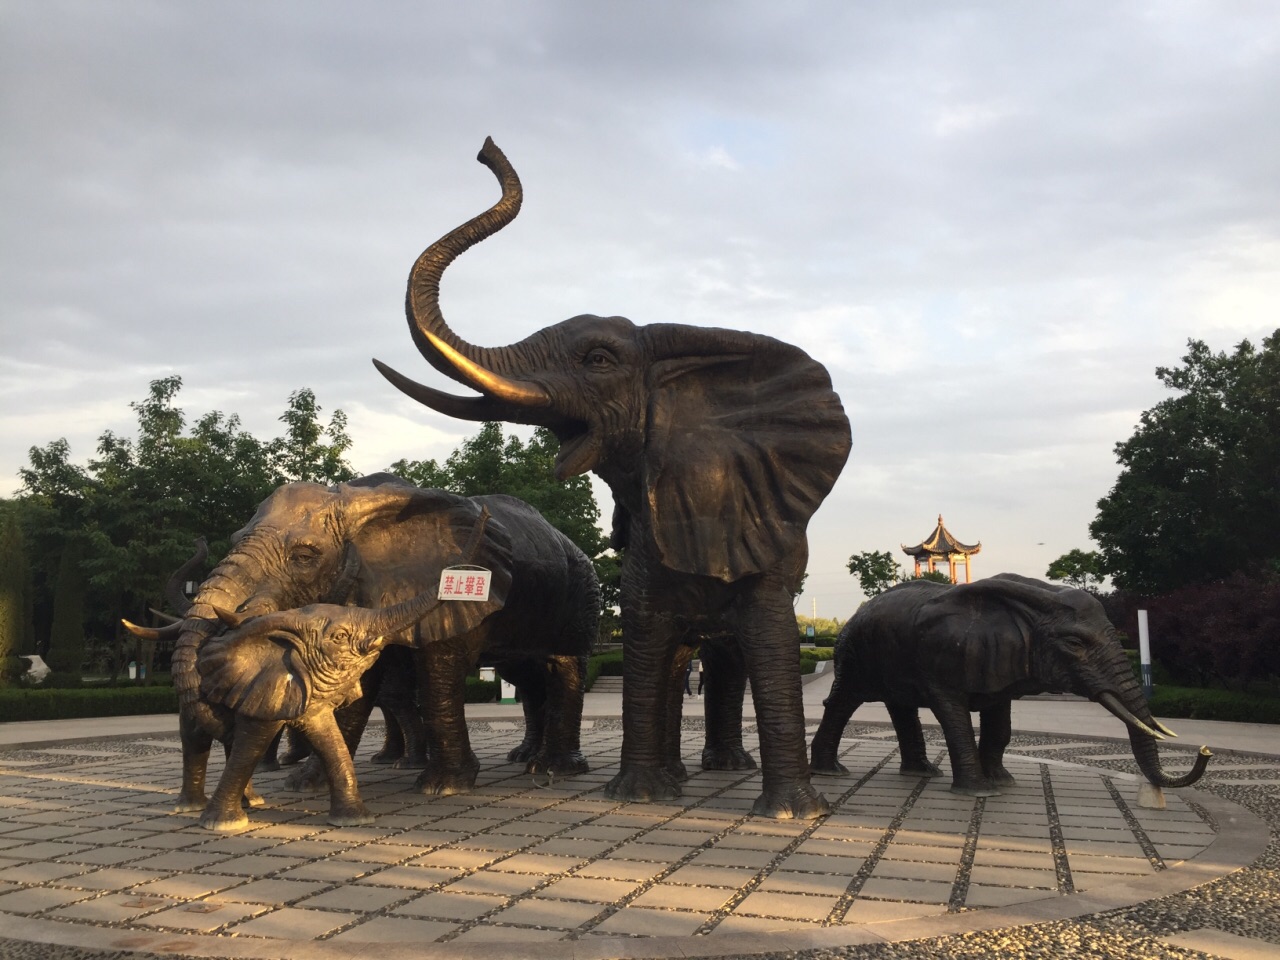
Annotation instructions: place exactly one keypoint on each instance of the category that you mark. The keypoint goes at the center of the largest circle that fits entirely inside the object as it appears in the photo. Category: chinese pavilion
(939, 546)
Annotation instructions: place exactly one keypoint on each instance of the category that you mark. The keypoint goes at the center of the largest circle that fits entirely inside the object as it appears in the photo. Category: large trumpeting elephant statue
(718, 446)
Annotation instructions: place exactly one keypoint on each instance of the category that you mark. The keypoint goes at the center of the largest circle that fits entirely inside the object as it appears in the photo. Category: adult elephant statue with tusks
(377, 541)
(718, 446)
(979, 646)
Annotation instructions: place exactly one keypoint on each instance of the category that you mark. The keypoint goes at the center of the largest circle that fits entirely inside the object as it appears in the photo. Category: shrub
(482, 691)
(42, 703)
(1196, 704)
(603, 665)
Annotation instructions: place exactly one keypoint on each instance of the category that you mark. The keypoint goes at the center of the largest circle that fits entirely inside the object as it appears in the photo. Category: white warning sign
(464, 583)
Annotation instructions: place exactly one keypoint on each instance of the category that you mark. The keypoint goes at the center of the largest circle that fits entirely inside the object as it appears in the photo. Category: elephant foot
(190, 803)
(1001, 777)
(642, 785)
(307, 779)
(435, 781)
(223, 821)
(559, 765)
(976, 788)
(252, 798)
(523, 754)
(294, 756)
(679, 772)
(387, 756)
(270, 765)
(350, 815)
(410, 762)
(828, 768)
(727, 758)
(918, 768)
(795, 801)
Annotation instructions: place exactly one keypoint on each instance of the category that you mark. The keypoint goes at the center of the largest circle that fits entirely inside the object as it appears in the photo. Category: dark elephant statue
(718, 446)
(295, 667)
(980, 646)
(377, 541)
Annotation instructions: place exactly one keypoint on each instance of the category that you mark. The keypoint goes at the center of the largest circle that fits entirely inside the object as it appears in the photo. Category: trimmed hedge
(809, 658)
(1196, 704)
(603, 665)
(69, 704)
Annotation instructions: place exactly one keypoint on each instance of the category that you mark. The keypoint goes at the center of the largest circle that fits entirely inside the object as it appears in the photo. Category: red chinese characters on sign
(464, 583)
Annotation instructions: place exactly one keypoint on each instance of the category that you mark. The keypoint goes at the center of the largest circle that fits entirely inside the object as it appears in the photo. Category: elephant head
(278, 665)
(722, 443)
(1051, 637)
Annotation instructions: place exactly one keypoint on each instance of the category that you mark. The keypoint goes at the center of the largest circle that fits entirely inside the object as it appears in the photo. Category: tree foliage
(15, 588)
(1198, 496)
(66, 636)
(491, 462)
(937, 576)
(876, 571)
(1078, 568)
(134, 511)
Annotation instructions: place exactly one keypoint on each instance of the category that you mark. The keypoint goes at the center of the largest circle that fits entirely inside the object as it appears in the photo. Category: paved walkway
(91, 858)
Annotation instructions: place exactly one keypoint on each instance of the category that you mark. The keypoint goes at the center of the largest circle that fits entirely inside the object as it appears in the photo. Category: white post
(1144, 653)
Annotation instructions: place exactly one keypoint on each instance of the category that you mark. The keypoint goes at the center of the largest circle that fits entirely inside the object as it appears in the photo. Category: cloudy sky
(990, 221)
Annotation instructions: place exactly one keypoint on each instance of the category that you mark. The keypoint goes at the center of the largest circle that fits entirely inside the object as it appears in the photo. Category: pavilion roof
(940, 543)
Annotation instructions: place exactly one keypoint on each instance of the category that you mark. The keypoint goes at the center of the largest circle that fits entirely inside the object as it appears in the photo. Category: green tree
(66, 636)
(140, 503)
(15, 587)
(490, 462)
(1078, 568)
(303, 453)
(876, 571)
(937, 576)
(1197, 497)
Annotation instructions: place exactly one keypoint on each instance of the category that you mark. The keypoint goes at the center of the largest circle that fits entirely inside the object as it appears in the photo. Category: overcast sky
(991, 221)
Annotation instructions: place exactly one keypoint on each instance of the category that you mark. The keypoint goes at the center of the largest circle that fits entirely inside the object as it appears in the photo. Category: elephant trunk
(434, 339)
(179, 602)
(1144, 731)
(224, 588)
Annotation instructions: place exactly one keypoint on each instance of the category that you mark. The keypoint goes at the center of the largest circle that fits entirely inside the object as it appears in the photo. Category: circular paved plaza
(93, 859)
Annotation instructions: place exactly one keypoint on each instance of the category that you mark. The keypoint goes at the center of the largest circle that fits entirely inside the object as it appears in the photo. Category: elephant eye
(599, 359)
(304, 555)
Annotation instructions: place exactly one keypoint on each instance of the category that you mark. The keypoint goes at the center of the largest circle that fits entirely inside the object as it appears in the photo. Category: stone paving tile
(451, 905)
(639, 921)
(983, 896)
(915, 870)
(790, 906)
(291, 923)
(553, 914)
(594, 889)
(269, 892)
(356, 897)
(396, 930)
(670, 896)
(877, 911)
(411, 877)
(111, 878)
(1013, 877)
(487, 933)
(35, 899)
(113, 908)
(37, 872)
(923, 891)
(506, 884)
(329, 871)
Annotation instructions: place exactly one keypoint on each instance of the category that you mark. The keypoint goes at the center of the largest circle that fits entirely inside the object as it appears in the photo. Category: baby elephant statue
(295, 667)
(979, 646)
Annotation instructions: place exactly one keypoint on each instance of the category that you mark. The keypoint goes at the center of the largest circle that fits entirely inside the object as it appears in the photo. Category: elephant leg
(767, 628)
(997, 730)
(252, 737)
(298, 748)
(408, 721)
(351, 720)
(672, 760)
(649, 640)
(271, 759)
(915, 757)
(531, 678)
(957, 727)
(346, 809)
(725, 681)
(196, 744)
(442, 676)
(841, 702)
(393, 740)
(561, 752)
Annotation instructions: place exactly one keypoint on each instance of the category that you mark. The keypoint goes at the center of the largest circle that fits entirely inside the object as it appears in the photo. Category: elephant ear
(996, 617)
(385, 522)
(255, 676)
(745, 438)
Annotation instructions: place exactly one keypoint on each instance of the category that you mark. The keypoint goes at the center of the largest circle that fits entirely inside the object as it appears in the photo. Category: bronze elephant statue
(377, 541)
(956, 648)
(718, 446)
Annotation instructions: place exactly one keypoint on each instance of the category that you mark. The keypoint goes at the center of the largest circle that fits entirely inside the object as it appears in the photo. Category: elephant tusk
(488, 382)
(229, 618)
(1113, 704)
(1163, 729)
(143, 633)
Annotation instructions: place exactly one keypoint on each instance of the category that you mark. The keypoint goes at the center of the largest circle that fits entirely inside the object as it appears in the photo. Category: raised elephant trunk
(422, 302)
(223, 588)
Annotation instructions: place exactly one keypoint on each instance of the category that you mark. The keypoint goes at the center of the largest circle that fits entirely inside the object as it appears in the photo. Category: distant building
(939, 546)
